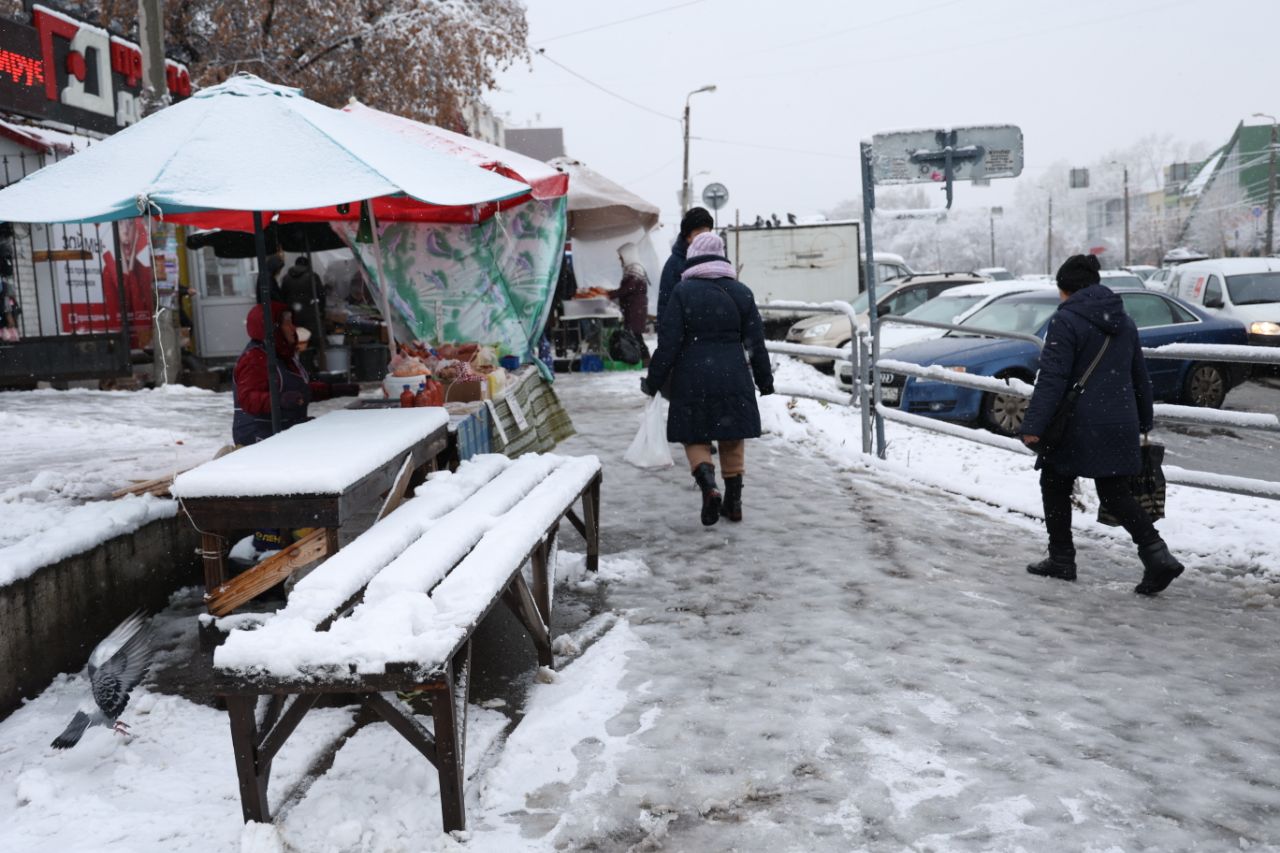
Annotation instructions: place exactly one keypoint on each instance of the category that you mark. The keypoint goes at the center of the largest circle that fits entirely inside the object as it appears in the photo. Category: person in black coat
(710, 319)
(696, 221)
(1102, 437)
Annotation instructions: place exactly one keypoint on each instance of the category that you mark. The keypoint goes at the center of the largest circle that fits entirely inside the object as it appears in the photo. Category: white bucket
(337, 359)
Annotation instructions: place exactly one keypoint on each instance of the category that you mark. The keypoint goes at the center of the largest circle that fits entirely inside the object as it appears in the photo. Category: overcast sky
(801, 81)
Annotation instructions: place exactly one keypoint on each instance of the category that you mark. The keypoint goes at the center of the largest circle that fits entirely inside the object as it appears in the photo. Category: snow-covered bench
(394, 611)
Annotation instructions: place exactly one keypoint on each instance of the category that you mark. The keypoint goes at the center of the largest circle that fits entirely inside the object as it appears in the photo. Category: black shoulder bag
(1056, 431)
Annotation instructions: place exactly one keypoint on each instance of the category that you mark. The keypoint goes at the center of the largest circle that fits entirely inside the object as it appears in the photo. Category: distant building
(482, 124)
(1227, 197)
(540, 143)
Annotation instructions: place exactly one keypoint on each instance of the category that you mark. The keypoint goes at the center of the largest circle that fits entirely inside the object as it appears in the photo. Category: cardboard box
(466, 392)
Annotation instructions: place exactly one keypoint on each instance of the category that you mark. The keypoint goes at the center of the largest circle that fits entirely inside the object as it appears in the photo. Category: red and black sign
(65, 70)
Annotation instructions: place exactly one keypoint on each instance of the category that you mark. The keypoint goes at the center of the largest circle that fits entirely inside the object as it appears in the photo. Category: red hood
(255, 327)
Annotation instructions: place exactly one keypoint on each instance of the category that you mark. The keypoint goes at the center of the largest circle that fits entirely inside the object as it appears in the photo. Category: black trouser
(1116, 496)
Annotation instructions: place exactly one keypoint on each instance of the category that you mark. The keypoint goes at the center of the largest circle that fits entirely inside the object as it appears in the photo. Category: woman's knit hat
(1078, 272)
(706, 244)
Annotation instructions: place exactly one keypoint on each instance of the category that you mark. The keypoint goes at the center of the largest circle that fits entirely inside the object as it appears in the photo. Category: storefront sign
(64, 70)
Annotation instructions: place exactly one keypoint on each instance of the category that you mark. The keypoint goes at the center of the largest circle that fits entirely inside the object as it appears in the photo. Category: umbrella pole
(383, 284)
(268, 322)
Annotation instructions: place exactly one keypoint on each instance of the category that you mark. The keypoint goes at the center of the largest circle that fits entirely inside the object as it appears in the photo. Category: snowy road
(862, 664)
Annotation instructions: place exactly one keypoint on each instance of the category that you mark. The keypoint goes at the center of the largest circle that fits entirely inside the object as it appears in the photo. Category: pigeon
(116, 666)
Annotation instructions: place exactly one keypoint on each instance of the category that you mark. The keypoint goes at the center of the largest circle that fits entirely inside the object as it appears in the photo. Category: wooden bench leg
(450, 728)
(249, 769)
(591, 517)
(544, 574)
(518, 597)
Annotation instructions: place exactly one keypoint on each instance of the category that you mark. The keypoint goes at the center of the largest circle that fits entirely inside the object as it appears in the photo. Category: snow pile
(320, 457)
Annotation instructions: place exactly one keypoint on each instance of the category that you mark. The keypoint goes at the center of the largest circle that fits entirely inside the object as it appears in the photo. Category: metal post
(125, 320)
(1271, 192)
(383, 284)
(268, 322)
(868, 208)
(992, 217)
(1126, 216)
(684, 184)
(737, 242)
(1048, 246)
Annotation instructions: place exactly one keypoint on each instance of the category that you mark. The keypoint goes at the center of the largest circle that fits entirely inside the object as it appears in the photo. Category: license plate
(888, 395)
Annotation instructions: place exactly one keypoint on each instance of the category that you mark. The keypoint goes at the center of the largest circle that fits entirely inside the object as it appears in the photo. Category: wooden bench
(394, 612)
(320, 474)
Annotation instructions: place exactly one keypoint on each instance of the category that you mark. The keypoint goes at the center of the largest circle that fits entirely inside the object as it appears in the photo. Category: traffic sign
(715, 196)
(1257, 212)
(925, 156)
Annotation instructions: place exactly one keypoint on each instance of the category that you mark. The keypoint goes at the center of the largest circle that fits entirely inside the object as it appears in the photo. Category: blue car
(1160, 319)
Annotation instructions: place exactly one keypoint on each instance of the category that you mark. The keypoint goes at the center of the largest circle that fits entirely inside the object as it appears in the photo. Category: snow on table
(414, 608)
(325, 456)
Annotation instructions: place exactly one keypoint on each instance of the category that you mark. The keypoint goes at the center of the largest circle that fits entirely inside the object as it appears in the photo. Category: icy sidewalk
(865, 665)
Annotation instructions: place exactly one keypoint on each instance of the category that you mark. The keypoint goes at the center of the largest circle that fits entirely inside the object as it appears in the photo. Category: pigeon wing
(118, 675)
(71, 734)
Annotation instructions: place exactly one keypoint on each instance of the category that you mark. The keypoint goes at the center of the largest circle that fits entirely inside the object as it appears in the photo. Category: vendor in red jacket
(251, 392)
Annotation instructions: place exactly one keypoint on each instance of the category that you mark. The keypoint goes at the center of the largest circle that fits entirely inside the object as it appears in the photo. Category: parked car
(995, 273)
(1244, 289)
(953, 306)
(1161, 320)
(897, 297)
(1122, 280)
(1159, 280)
(1142, 271)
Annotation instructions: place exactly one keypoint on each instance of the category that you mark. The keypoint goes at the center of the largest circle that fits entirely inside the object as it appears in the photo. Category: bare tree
(427, 59)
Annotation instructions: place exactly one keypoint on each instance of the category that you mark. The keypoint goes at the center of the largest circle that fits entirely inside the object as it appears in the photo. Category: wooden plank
(520, 600)
(591, 514)
(283, 727)
(247, 513)
(542, 571)
(398, 488)
(250, 584)
(576, 522)
(252, 777)
(403, 721)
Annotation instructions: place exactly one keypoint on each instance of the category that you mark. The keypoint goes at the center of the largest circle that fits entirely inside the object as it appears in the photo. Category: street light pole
(684, 185)
(1271, 185)
(1126, 216)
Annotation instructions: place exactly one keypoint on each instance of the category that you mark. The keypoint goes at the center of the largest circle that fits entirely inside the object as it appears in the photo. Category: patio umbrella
(234, 152)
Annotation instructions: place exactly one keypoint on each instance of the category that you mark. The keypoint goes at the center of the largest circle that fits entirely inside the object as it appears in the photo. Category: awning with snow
(248, 145)
(600, 208)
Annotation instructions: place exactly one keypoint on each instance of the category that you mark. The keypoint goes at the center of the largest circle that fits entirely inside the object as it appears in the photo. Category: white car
(952, 306)
(1122, 280)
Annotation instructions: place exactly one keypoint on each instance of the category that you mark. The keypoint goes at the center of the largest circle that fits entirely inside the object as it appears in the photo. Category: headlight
(1264, 328)
(818, 330)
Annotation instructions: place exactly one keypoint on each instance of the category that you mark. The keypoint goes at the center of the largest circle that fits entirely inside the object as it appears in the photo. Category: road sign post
(715, 196)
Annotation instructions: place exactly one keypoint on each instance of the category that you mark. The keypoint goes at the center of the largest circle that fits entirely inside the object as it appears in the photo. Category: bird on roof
(116, 666)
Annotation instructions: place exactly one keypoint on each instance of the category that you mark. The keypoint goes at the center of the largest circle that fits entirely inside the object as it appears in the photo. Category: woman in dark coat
(1102, 438)
(709, 320)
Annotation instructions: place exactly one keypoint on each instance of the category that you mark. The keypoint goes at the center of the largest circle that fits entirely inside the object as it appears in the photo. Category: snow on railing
(1236, 353)
(784, 348)
(938, 373)
(1172, 473)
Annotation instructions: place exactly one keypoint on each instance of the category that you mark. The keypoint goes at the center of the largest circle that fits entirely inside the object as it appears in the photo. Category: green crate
(610, 364)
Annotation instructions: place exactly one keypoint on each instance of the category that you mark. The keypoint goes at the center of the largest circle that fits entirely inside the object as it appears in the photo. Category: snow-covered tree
(426, 59)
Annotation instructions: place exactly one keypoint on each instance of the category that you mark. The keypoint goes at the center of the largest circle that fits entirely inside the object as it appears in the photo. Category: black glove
(766, 390)
(344, 389)
(293, 400)
(645, 387)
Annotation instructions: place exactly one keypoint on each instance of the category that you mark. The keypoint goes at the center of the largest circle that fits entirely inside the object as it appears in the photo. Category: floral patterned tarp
(491, 283)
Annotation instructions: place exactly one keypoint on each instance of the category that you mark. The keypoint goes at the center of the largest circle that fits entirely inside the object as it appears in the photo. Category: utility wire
(620, 21)
(864, 26)
(541, 52)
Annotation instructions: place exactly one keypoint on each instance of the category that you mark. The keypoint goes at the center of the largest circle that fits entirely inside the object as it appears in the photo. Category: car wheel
(1206, 385)
(1003, 413)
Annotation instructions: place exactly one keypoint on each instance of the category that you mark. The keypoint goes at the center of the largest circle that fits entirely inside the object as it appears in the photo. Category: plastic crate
(610, 364)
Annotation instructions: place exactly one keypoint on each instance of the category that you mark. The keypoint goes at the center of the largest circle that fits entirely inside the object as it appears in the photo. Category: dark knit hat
(697, 217)
(1078, 272)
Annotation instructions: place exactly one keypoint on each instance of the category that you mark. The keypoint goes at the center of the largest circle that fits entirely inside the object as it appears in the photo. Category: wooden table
(319, 475)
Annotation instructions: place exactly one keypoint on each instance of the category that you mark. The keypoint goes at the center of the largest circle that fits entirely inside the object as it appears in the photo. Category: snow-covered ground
(862, 664)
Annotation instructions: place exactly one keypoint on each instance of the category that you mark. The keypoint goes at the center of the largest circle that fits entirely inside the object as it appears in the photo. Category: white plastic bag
(649, 449)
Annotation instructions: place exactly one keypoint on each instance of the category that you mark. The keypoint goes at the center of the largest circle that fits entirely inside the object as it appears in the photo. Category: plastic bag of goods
(649, 449)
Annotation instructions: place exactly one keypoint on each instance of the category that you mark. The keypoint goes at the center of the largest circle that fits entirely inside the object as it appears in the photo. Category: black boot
(1060, 564)
(1159, 567)
(732, 508)
(705, 475)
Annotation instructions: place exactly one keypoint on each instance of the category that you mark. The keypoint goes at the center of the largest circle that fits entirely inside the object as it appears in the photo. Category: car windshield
(1000, 275)
(1255, 288)
(860, 304)
(944, 309)
(1011, 315)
